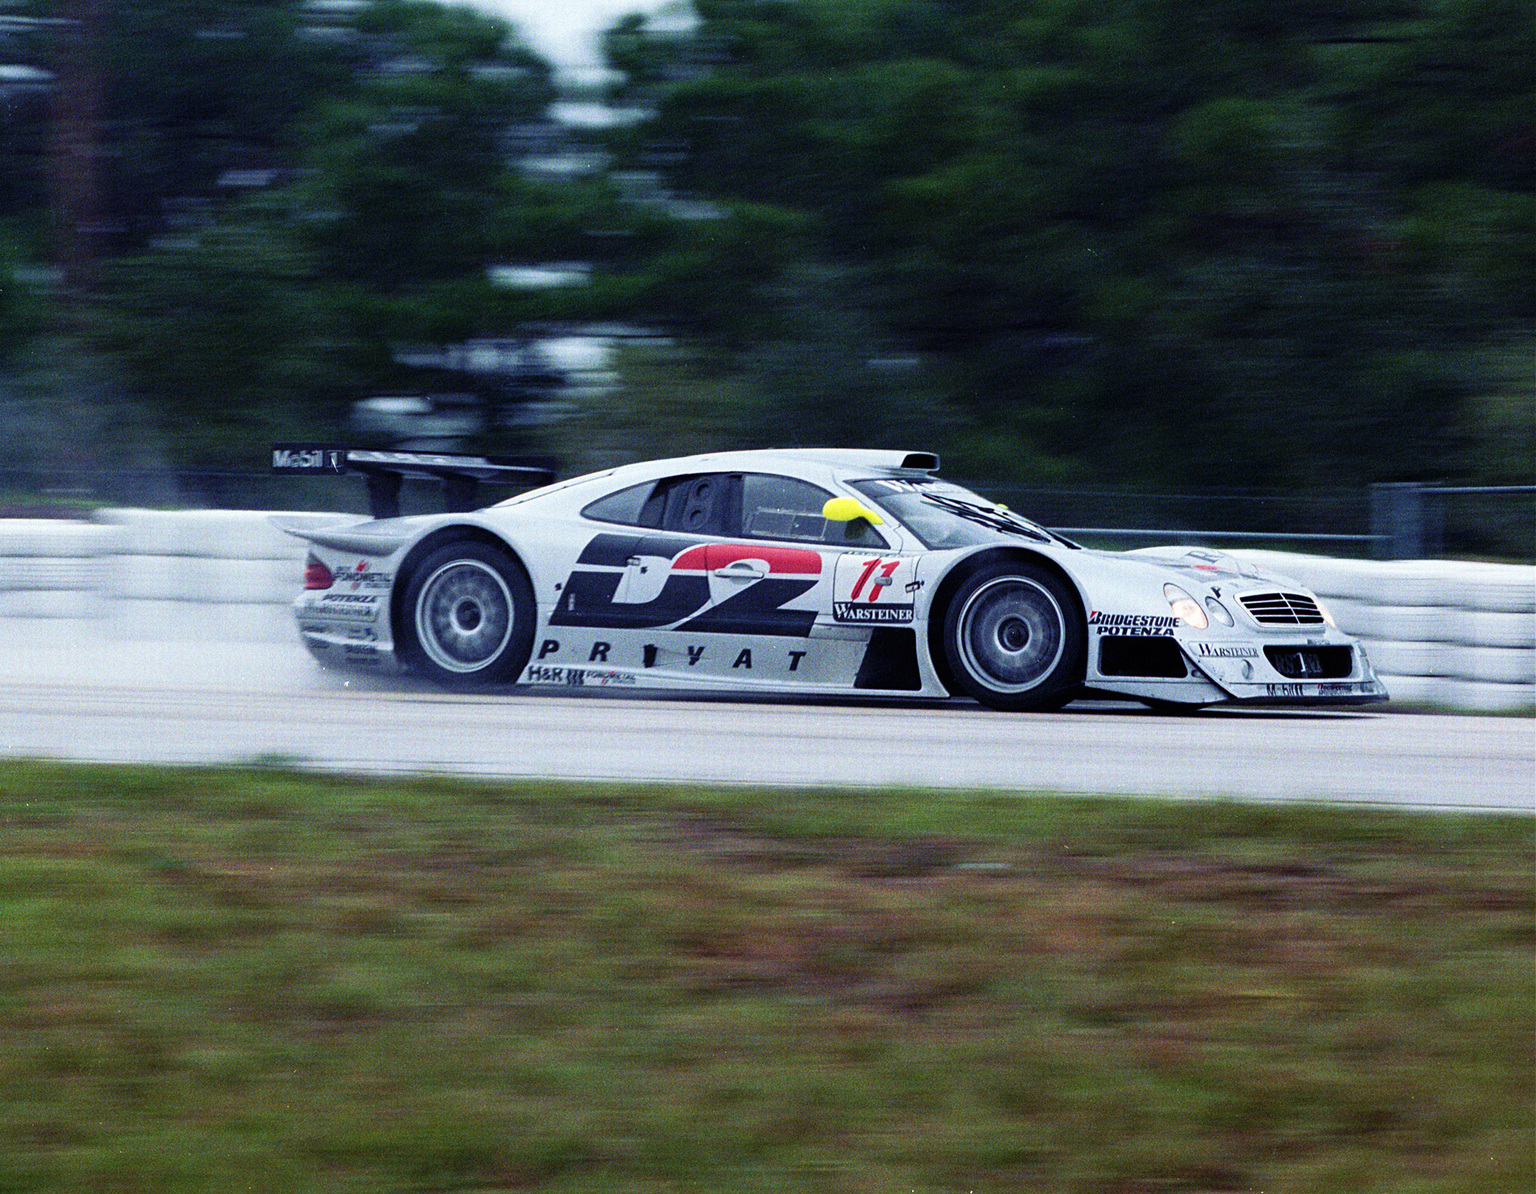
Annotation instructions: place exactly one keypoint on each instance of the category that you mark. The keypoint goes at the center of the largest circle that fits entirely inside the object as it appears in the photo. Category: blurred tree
(1169, 240)
(375, 157)
(23, 310)
(405, 164)
(227, 337)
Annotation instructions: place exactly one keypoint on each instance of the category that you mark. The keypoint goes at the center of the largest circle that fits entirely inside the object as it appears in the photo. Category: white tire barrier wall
(1444, 632)
(50, 569)
(1440, 632)
(200, 575)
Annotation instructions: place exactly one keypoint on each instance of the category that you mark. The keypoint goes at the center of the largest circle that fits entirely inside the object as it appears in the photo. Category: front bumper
(1319, 671)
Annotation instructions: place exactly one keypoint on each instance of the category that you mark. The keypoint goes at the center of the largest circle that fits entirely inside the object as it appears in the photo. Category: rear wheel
(468, 616)
(1014, 638)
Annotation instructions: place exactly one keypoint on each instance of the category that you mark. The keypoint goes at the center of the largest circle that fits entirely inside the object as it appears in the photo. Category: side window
(698, 504)
(629, 507)
(786, 508)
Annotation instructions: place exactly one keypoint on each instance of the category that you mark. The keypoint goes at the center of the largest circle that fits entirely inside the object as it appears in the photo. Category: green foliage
(188, 88)
(22, 308)
(1157, 242)
(1282, 228)
(380, 153)
(225, 335)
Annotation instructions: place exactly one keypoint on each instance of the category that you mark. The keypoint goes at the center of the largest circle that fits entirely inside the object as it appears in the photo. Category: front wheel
(468, 616)
(1014, 638)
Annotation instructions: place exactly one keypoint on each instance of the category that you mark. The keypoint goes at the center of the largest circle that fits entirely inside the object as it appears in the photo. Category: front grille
(1282, 609)
(1311, 663)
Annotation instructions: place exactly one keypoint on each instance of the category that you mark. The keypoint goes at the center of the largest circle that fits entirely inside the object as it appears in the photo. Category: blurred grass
(261, 980)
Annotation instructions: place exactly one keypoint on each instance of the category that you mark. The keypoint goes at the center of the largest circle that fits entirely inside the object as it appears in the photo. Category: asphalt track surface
(186, 704)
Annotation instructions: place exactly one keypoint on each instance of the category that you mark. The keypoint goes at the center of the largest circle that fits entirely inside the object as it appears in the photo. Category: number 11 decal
(885, 567)
(861, 581)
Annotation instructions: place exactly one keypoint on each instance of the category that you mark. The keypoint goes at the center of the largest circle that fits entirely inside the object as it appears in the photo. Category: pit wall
(1440, 632)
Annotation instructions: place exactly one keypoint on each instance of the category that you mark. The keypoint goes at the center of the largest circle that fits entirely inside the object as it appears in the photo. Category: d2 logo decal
(611, 566)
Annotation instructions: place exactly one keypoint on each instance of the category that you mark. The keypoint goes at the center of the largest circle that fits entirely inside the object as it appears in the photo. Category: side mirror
(846, 509)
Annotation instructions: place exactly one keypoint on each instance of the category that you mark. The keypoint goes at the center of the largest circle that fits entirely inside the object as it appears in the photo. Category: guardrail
(1441, 632)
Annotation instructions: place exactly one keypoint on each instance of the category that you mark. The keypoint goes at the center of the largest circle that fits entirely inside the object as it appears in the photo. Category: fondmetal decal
(576, 677)
(362, 577)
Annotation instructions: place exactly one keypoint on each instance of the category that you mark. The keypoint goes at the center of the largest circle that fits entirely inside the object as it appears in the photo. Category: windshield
(944, 515)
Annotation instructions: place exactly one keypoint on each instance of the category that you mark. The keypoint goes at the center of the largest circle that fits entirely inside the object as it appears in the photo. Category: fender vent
(1282, 609)
(890, 661)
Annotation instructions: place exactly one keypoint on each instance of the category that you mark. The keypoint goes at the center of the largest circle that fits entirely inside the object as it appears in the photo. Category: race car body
(803, 571)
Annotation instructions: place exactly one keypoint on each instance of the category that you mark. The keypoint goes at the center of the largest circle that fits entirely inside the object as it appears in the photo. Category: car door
(626, 576)
(771, 577)
(720, 575)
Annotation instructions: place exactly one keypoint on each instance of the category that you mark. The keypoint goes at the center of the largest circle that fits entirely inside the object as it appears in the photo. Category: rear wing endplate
(384, 472)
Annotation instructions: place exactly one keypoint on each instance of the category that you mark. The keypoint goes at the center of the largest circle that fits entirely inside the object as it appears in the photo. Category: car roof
(788, 458)
(791, 461)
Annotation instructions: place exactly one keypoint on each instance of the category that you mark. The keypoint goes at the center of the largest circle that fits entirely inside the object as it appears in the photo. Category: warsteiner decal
(1225, 651)
(852, 611)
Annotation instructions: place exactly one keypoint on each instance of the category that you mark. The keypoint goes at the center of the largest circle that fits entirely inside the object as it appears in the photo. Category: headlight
(1218, 611)
(1185, 607)
(1327, 614)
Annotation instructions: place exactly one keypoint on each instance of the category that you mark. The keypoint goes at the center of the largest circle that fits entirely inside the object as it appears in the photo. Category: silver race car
(794, 571)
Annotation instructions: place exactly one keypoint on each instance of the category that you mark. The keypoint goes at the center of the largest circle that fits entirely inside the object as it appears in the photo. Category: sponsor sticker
(576, 677)
(1134, 625)
(308, 458)
(864, 585)
(1225, 651)
(347, 607)
(732, 588)
(363, 577)
(853, 611)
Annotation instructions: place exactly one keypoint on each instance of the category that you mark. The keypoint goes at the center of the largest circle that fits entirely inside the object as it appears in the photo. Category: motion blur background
(1256, 273)
(1166, 264)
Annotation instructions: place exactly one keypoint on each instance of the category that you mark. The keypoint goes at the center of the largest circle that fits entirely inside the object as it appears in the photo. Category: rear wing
(384, 472)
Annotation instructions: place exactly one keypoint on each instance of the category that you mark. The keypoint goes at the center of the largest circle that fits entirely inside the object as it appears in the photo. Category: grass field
(265, 981)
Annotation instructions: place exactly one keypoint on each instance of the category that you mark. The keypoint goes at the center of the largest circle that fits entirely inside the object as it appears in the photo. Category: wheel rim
(464, 616)
(1012, 634)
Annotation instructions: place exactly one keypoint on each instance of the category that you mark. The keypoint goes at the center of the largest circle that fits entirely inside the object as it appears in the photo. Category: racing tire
(1015, 638)
(467, 617)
